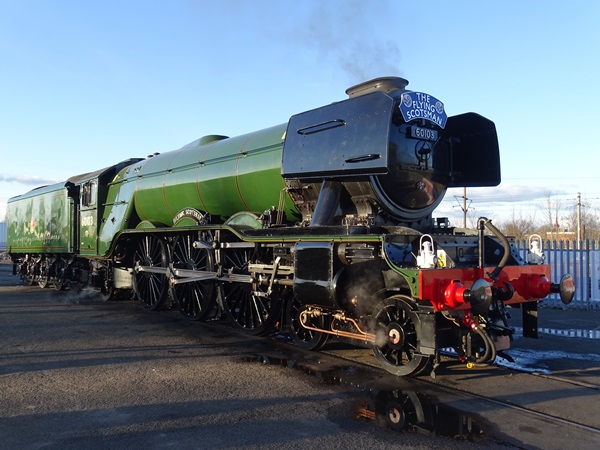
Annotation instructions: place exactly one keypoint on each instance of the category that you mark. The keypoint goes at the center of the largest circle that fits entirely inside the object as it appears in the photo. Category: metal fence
(581, 261)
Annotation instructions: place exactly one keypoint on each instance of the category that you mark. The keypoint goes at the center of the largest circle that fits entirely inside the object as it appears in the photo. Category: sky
(87, 84)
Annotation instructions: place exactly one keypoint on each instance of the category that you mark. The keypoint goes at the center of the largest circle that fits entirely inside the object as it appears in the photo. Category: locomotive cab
(89, 191)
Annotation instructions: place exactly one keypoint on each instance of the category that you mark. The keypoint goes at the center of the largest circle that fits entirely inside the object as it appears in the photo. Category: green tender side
(221, 178)
(40, 221)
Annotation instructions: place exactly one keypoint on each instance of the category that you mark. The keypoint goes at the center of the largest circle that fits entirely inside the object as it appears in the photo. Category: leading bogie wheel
(396, 337)
(306, 338)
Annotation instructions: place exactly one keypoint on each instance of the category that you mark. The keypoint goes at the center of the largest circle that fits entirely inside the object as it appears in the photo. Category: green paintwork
(245, 219)
(412, 278)
(119, 213)
(93, 210)
(217, 176)
(146, 224)
(410, 275)
(88, 231)
(40, 221)
(220, 178)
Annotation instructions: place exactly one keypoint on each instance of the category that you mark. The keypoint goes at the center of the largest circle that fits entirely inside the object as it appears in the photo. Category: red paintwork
(445, 288)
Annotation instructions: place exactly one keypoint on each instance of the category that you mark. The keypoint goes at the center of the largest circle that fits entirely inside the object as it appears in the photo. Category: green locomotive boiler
(319, 228)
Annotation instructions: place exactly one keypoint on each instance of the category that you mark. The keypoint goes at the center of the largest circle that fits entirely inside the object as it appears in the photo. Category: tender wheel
(251, 311)
(60, 272)
(396, 337)
(151, 287)
(302, 337)
(43, 278)
(196, 299)
(28, 273)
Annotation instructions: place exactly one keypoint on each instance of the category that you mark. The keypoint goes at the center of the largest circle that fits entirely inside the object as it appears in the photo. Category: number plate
(423, 133)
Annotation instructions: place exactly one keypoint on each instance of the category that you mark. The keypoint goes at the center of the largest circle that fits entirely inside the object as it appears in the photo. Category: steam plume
(348, 34)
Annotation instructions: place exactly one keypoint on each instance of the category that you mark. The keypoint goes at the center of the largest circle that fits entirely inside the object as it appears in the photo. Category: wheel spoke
(196, 300)
(58, 270)
(252, 313)
(43, 278)
(150, 288)
(395, 320)
(303, 337)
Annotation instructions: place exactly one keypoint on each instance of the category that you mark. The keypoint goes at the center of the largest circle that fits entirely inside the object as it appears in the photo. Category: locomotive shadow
(207, 423)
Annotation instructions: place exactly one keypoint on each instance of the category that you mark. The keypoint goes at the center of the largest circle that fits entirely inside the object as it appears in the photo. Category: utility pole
(463, 205)
(578, 219)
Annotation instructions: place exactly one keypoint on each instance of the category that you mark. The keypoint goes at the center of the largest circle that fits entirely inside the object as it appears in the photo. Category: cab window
(88, 193)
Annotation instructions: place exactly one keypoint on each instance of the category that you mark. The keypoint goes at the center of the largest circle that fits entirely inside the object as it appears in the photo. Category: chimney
(393, 86)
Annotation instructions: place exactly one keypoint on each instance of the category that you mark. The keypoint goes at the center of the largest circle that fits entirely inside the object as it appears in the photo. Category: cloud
(510, 193)
(29, 181)
(501, 202)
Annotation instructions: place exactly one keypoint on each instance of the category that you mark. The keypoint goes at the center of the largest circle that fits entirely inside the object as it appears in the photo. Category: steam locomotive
(319, 228)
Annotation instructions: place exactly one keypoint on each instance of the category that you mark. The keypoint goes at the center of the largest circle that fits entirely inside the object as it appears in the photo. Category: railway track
(491, 405)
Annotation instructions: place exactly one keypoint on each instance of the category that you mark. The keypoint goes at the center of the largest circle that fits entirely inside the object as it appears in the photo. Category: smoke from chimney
(348, 34)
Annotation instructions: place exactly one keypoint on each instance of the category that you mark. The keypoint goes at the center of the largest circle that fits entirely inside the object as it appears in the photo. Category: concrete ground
(78, 372)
